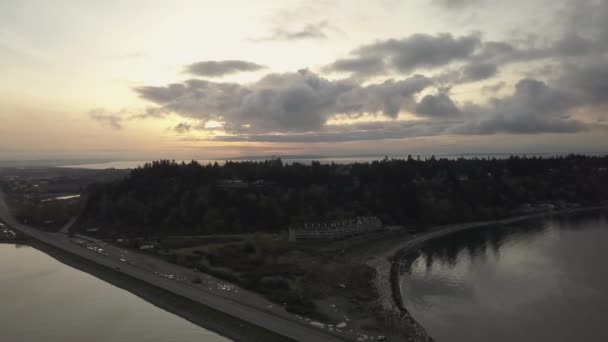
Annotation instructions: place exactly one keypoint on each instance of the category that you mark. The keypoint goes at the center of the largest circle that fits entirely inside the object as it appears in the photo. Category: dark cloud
(472, 72)
(221, 68)
(296, 107)
(293, 102)
(310, 31)
(389, 98)
(355, 132)
(440, 105)
(586, 19)
(587, 81)
(573, 45)
(456, 4)
(533, 108)
(418, 51)
(584, 34)
(479, 71)
(371, 65)
(421, 50)
(112, 120)
(522, 125)
(182, 127)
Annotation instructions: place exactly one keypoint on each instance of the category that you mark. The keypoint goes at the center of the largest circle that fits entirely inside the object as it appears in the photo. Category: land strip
(280, 326)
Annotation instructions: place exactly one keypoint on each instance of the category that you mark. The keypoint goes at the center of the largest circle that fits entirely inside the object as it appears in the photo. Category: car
(117, 268)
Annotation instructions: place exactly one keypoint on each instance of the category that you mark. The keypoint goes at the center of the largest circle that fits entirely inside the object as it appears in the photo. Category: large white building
(334, 229)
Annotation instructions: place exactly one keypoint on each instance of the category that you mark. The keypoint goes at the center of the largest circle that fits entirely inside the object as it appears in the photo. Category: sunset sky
(212, 79)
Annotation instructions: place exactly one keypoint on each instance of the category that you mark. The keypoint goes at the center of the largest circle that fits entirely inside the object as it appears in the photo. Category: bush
(275, 283)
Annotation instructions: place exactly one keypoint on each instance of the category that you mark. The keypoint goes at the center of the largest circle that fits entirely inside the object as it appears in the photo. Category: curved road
(279, 325)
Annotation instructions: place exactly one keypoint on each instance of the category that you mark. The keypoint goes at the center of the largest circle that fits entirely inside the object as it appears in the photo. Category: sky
(206, 79)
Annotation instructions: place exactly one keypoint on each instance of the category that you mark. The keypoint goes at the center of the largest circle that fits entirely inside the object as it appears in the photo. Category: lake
(45, 300)
(541, 280)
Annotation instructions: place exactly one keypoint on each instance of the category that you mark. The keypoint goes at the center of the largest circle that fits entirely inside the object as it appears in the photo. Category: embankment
(190, 310)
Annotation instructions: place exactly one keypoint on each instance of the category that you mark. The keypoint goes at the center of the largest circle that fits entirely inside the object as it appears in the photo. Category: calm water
(538, 281)
(42, 299)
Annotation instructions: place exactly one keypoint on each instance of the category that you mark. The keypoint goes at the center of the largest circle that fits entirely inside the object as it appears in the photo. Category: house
(234, 183)
(147, 247)
(338, 229)
(395, 228)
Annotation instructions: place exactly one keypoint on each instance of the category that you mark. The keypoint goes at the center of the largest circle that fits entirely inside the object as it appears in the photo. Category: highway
(280, 325)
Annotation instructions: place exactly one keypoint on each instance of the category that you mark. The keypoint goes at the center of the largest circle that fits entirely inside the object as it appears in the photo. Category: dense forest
(165, 197)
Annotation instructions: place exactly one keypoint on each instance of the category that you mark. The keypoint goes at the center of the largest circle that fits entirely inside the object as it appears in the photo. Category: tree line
(167, 197)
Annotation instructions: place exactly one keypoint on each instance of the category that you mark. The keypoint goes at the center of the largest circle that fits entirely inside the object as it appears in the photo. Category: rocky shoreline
(386, 282)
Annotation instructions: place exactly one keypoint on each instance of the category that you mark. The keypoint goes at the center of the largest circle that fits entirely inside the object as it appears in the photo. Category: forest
(170, 198)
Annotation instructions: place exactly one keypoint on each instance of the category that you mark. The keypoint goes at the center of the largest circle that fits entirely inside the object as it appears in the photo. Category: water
(45, 300)
(539, 281)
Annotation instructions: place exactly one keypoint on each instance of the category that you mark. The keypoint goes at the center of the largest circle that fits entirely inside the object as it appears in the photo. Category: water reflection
(538, 281)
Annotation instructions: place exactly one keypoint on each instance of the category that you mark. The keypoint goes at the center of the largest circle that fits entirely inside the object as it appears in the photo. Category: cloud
(456, 4)
(221, 68)
(293, 102)
(479, 71)
(112, 120)
(587, 19)
(311, 31)
(472, 72)
(521, 125)
(408, 54)
(494, 88)
(182, 127)
(533, 108)
(422, 50)
(371, 65)
(440, 105)
(583, 34)
(389, 98)
(587, 81)
(297, 106)
(344, 133)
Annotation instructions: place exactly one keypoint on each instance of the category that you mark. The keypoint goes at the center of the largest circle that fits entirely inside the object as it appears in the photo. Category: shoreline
(385, 280)
(196, 313)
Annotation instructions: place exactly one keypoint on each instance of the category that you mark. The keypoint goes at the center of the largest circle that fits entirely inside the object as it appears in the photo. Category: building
(330, 230)
(233, 183)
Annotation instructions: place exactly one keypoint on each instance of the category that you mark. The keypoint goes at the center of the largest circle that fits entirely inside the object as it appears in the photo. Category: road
(279, 325)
